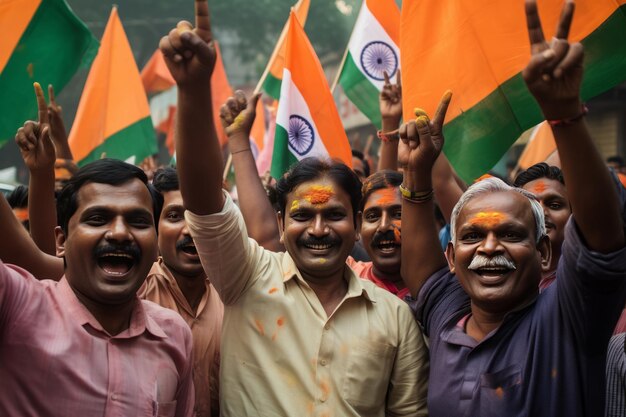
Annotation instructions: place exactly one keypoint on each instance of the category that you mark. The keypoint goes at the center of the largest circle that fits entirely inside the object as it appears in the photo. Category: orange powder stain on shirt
(385, 196)
(259, 327)
(488, 218)
(273, 290)
(539, 187)
(280, 321)
(318, 194)
(500, 392)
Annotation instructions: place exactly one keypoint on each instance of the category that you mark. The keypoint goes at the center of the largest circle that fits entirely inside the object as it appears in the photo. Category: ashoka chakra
(301, 135)
(378, 57)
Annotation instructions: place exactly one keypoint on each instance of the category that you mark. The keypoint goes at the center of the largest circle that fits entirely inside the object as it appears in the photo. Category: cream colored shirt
(283, 356)
(206, 328)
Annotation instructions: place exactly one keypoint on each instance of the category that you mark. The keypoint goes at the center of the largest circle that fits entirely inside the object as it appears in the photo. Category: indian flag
(372, 50)
(273, 74)
(113, 116)
(307, 122)
(478, 49)
(42, 40)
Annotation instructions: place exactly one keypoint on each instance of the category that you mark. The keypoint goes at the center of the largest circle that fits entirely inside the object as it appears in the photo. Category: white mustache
(480, 261)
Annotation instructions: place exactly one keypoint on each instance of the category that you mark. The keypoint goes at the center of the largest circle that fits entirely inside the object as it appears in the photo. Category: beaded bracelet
(416, 196)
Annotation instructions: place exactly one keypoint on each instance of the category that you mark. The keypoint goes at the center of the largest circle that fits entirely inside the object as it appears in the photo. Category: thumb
(46, 141)
(253, 103)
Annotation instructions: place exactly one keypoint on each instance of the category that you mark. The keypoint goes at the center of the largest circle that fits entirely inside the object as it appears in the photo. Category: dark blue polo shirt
(547, 359)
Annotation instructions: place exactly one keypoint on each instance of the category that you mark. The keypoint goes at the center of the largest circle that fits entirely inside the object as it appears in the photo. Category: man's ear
(450, 257)
(59, 237)
(545, 250)
(359, 223)
(281, 226)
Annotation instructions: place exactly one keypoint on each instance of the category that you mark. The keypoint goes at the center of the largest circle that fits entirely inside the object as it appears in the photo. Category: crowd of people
(343, 295)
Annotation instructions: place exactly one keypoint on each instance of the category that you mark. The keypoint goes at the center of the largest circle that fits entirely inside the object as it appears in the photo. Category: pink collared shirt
(57, 360)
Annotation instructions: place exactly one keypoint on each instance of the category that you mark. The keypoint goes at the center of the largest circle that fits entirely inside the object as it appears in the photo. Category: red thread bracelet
(561, 122)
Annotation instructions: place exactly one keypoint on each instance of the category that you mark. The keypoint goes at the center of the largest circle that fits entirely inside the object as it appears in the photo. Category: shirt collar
(160, 269)
(355, 284)
(139, 320)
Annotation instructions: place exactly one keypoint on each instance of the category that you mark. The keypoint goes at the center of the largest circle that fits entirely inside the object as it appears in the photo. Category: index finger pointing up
(42, 106)
(535, 33)
(203, 22)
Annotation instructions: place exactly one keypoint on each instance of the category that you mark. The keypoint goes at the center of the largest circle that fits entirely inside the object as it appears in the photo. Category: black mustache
(326, 240)
(132, 250)
(381, 237)
(186, 241)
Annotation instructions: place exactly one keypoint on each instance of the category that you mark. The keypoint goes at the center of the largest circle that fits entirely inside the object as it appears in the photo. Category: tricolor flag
(307, 123)
(372, 50)
(113, 116)
(540, 146)
(41, 40)
(478, 49)
(273, 74)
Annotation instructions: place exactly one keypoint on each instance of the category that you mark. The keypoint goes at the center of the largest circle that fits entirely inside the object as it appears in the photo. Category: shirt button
(323, 362)
(114, 397)
(327, 327)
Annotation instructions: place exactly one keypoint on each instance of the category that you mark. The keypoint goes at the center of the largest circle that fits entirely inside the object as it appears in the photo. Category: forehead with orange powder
(384, 197)
(488, 218)
(315, 194)
(539, 187)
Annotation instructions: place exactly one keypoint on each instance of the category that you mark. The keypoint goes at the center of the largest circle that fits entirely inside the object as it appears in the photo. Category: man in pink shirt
(86, 345)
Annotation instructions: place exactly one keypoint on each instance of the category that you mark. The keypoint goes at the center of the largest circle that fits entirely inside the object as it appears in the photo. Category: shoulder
(168, 320)
(386, 301)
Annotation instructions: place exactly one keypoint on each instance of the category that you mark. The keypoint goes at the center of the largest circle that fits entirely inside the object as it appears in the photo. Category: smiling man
(302, 334)
(86, 345)
(497, 346)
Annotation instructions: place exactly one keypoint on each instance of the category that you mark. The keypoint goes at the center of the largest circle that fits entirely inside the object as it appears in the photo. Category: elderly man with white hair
(497, 346)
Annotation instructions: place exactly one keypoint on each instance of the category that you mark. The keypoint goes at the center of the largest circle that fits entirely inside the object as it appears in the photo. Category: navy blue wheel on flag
(378, 57)
(301, 134)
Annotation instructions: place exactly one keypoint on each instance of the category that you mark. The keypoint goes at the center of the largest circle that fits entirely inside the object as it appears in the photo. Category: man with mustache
(178, 282)
(302, 334)
(497, 346)
(86, 345)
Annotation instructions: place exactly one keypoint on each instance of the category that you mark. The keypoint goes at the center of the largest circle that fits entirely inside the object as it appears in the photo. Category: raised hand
(189, 52)
(423, 139)
(237, 114)
(554, 73)
(390, 100)
(33, 139)
(57, 127)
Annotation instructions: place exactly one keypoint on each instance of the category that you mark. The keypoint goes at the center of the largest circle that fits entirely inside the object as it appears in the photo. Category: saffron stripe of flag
(42, 40)
(307, 122)
(273, 73)
(478, 48)
(113, 116)
(372, 50)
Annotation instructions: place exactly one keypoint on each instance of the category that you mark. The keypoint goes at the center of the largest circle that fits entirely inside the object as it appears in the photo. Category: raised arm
(16, 247)
(390, 102)
(421, 252)
(190, 56)
(237, 116)
(57, 127)
(554, 76)
(38, 153)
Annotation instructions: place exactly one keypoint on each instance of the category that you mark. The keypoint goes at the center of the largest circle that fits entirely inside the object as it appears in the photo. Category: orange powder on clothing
(259, 327)
(488, 218)
(318, 194)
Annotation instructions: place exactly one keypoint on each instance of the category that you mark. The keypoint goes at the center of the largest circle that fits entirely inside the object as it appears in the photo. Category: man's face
(317, 228)
(553, 198)
(494, 226)
(175, 243)
(381, 229)
(358, 167)
(110, 243)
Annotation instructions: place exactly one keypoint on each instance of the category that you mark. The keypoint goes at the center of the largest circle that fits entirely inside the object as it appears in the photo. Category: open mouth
(493, 273)
(387, 246)
(190, 250)
(318, 247)
(116, 263)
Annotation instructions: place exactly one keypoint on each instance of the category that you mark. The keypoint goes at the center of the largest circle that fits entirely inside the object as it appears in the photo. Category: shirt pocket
(367, 375)
(501, 391)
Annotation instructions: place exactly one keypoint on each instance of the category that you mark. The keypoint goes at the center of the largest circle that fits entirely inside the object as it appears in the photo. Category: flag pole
(336, 80)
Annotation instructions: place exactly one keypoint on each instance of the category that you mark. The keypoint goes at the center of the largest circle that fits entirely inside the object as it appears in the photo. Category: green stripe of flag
(51, 49)
(360, 91)
(479, 137)
(271, 85)
(282, 158)
(136, 139)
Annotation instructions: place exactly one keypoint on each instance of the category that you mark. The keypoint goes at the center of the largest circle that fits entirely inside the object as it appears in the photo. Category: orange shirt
(206, 328)
(365, 270)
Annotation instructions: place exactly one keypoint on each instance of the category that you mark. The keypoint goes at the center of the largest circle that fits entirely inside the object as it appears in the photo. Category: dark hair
(18, 198)
(379, 180)
(615, 159)
(166, 179)
(540, 170)
(366, 166)
(312, 168)
(103, 171)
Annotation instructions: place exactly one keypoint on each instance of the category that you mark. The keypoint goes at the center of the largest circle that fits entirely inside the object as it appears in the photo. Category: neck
(193, 288)
(330, 290)
(113, 318)
(392, 277)
(482, 322)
